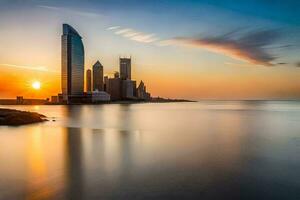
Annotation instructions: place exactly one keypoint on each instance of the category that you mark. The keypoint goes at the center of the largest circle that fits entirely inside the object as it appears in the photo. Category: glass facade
(72, 63)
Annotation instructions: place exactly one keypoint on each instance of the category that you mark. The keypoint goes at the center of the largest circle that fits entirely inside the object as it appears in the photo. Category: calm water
(207, 150)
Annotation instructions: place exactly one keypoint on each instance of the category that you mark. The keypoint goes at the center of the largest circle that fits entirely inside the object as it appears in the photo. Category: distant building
(60, 98)
(117, 75)
(128, 89)
(105, 86)
(134, 89)
(54, 99)
(100, 96)
(142, 92)
(148, 96)
(72, 63)
(125, 68)
(20, 100)
(88, 80)
(97, 76)
(114, 88)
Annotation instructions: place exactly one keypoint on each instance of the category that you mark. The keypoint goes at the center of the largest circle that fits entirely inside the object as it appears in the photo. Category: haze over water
(207, 150)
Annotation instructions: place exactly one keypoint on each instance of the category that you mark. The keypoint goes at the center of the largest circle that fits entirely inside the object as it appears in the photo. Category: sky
(192, 49)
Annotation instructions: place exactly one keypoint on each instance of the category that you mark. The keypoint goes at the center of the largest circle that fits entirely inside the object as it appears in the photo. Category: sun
(36, 85)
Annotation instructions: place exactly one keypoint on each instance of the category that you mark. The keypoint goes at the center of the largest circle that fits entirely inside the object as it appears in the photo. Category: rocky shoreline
(10, 117)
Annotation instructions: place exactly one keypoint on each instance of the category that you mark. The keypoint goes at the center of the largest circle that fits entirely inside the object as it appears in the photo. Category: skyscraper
(72, 63)
(105, 85)
(125, 68)
(142, 92)
(114, 88)
(88, 80)
(98, 76)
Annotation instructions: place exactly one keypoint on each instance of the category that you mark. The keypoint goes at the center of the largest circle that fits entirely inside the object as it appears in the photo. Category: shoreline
(111, 102)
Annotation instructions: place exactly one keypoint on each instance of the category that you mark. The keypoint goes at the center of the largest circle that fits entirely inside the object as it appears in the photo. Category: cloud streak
(71, 11)
(35, 68)
(134, 35)
(252, 47)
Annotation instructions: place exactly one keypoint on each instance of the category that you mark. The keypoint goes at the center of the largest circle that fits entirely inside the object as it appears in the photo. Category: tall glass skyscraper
(72, 63)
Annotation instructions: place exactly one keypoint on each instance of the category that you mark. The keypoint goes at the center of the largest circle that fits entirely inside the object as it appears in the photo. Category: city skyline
(74, 77)
(203, 57)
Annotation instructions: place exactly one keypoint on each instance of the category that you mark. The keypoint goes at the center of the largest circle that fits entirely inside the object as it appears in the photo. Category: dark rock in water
(15, 117)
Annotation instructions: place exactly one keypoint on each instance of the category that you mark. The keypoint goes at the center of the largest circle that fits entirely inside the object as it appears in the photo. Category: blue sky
(207, 41)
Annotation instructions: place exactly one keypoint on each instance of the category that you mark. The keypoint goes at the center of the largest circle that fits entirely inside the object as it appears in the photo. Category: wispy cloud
(71, 11)
(252, 47)
(35, 68)
(112, 28)
(134, 35)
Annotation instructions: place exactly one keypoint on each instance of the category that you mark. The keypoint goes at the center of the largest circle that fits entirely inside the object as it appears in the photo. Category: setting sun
(36, 85)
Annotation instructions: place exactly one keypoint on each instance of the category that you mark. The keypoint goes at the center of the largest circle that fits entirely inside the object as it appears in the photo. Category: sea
(189, 150)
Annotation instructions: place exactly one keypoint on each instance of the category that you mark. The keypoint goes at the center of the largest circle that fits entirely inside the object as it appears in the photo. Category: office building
(72, 63)
(105, 86)
(54, 99)
(97, 76)
(125, 68)
(128, 89)
(88, 80)
(20, 100)
(142, 92)
(114, 88)
(134, 89)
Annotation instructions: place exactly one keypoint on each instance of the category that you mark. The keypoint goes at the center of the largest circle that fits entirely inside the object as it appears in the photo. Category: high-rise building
(114, 88)
(88, 80)
(97, 76)
(105, 86)
(125, 68)
(72, 63)
(128, 89)
(142, 92)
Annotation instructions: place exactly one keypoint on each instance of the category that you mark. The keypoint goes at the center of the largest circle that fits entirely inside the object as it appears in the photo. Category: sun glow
(36, 85)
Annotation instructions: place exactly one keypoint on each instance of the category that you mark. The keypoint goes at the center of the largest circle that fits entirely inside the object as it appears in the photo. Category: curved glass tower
(72, 69)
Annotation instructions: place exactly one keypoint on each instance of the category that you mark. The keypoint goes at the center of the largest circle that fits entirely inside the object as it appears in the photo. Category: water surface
(204, 150)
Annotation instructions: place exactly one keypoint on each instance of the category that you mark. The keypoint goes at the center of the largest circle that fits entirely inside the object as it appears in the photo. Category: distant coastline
(129, 101)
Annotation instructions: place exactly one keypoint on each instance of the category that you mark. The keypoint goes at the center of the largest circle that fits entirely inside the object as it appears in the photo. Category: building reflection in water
(74, 166)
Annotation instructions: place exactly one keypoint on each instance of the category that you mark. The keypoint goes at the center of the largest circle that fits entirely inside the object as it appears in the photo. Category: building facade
(98, 76)
(105, 86)
(100, 96)
(114, 88)
(128, 89)
(125, 68)
(88, 80)
(142, 92)
(72, 63)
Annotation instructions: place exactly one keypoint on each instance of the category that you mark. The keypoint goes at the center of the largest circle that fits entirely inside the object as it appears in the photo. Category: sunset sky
(194, 49)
